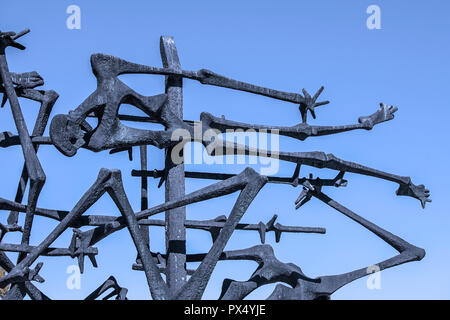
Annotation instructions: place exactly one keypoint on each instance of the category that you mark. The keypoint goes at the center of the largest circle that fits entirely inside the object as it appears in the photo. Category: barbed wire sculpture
(69, 132)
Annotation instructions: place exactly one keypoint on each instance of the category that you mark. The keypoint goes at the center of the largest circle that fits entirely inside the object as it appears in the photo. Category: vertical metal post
(144, 189)
(174, 186)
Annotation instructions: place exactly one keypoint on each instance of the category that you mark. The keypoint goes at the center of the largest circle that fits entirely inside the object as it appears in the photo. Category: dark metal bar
(175, 188)
(33, 166)
(49, 252)
(214, 227)
(144, 190)
(294, 181)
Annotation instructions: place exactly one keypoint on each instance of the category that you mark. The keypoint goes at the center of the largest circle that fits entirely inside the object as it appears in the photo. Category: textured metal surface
(174, 175)
(70, 132)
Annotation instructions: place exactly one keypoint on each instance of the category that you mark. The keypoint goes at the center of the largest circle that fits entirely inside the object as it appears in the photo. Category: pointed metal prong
(73, 243)
(81, 262)
(318, 93)
(296, 171)
(93, 260)
(269, 224)
(162, 179)
(321, 103)
(305, 195)
(277, 235)
(304, 200)
(262, 231)
(128, 149)
(306, 94)
(20, 34)
(4, 99)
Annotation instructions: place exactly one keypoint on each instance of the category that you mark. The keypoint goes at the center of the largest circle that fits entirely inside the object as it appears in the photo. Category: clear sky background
(286, 45)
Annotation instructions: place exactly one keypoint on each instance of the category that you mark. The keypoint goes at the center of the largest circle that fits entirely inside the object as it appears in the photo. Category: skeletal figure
(70, 132)
(271, 270)
(303, 130)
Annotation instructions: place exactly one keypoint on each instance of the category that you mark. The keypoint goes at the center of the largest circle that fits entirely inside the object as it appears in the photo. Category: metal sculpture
(69, 132)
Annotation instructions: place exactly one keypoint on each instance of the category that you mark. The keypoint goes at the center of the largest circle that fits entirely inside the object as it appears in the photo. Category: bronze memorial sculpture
(71, 131)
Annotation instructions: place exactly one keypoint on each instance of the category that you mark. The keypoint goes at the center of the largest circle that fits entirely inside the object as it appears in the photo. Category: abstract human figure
(70, 132)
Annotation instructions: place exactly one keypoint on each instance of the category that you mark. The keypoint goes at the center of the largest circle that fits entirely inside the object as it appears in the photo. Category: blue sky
(286, 45)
